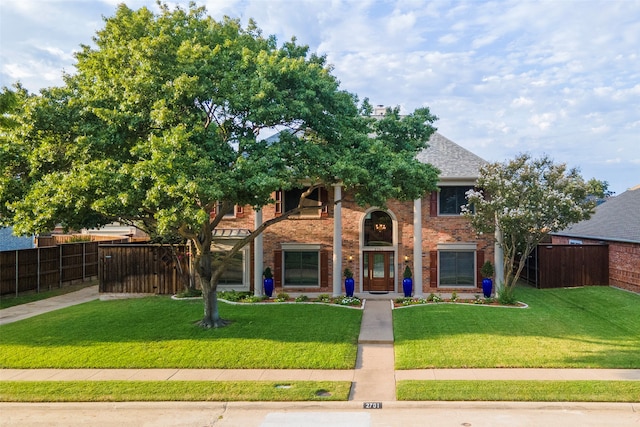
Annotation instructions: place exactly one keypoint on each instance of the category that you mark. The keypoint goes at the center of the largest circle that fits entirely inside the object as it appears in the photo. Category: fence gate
(152, 269)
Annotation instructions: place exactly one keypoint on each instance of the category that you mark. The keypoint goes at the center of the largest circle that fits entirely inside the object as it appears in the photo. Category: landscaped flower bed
(235, 297)
(437, 298)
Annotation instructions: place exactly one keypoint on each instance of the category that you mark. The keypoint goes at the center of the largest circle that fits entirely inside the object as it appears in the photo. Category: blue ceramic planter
(407, 287)
(268, 287)
(487, 287)
(349, 285)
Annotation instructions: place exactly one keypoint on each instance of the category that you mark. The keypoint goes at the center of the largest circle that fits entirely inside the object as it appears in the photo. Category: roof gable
(453, 161)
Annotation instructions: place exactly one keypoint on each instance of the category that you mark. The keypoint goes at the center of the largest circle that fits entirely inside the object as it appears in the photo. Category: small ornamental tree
(527, 199)
(161, 126)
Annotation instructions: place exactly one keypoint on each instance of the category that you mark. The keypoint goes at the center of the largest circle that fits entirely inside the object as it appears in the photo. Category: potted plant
(349, 283)
(268, 282)
(487, 283)
(407, 282)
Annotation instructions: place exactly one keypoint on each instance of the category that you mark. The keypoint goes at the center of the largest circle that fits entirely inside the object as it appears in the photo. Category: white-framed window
(451, 198)
(300, 265)
(457, 265)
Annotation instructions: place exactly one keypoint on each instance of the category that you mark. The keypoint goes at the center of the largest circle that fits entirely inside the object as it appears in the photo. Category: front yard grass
(165, 391)
(158, 332)
(590, 327)
(526, 391)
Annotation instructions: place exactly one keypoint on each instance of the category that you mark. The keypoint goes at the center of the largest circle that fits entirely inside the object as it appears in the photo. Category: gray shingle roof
(453, 161)
(617, 219)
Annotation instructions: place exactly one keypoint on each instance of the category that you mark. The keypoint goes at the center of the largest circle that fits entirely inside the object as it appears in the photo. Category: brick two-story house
(309, 252)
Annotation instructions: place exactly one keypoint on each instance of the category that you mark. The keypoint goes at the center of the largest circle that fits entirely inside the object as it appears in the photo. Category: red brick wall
(443, 229)
(624, 262)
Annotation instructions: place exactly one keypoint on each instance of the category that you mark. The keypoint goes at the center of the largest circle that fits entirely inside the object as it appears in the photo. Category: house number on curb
(372, 405)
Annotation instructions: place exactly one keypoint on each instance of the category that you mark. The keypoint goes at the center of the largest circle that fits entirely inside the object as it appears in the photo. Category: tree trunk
(204, 271)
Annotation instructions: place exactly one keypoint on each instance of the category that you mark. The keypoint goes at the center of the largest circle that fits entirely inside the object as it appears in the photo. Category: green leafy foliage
(528, 198)
(165, 119)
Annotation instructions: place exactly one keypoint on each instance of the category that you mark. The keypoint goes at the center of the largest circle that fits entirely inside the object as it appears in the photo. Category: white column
(337, 240)
(498, 259)
(417, 248)
(257, 255)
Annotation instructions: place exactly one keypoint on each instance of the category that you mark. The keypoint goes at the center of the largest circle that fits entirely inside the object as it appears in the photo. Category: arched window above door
(378, 229)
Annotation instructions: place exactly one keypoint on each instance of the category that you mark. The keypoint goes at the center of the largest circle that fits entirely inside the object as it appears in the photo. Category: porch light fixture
(406, 258)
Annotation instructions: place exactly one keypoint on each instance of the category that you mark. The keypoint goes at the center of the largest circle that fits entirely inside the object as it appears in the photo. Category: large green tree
(164, 119)
(527, 198)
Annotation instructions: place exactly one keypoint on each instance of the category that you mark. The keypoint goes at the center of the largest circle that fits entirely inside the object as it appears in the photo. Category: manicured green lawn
(122, 391)
(157, 332)
(531, 391)
(590, 327)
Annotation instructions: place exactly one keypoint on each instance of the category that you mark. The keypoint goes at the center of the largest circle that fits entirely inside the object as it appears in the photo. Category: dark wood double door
(379, 271)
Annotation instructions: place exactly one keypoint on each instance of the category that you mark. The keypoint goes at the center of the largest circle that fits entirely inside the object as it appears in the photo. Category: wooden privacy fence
(557, 266)
(133, 268)
(41, 268)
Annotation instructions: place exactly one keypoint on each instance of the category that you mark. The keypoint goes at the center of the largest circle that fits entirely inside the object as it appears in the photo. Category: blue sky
(554, 77)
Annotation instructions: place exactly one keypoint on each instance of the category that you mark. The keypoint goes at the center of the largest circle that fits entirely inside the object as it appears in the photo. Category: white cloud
(503, 76)
(522, 102)
(543, 121)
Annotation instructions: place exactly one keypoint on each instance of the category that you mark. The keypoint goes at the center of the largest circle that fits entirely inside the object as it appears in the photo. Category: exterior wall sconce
(406, 258)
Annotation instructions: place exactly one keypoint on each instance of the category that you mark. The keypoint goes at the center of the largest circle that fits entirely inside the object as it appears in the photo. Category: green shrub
(282, 297)
(254, 298)
(506, 297)
(344, 300)
(302, 298)
(434, 298)
(324, 298)
(233, 296)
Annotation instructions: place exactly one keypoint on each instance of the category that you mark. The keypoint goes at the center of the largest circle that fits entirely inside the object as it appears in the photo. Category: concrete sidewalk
(31, 309)
(373, 378)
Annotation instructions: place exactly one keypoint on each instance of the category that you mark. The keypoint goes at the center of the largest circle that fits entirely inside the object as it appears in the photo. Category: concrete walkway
(24, 311)
(373, 378)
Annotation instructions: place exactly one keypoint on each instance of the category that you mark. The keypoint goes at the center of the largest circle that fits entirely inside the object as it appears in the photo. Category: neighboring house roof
(617, 219)
(453, 161)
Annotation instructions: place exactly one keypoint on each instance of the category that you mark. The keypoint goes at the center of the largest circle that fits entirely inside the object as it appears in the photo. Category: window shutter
(433, 269)
(239, 211)
(433, 203)
(277, 268)
(324, 199)
(324, 269)
(278, 204)
(479, 262)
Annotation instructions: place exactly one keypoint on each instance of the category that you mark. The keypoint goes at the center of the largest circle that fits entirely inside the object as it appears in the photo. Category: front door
(379, 271)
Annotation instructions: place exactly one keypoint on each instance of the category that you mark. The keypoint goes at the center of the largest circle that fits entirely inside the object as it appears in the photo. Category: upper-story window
(236, 212)
(451, 199)
(314, 204)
